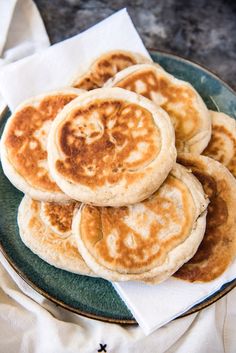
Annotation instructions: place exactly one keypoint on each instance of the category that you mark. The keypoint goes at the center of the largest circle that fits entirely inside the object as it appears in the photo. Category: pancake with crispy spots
(111, 147)
(222, 146)
(184, 105)
(106, 66)
(24, 141)
(218, 248)
(45, 228)
(147, 241)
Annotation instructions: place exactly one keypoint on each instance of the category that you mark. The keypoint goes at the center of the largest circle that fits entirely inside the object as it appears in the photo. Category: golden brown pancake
(185, 107)
(45, 228)
(111, 147)
(106, 66)
(222, 146)
(218, 247)
(147, 240)
(24, 141)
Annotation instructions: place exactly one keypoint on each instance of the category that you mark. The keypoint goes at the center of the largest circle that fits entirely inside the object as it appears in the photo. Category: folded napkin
(22, 32)
(60, 64)
(152, 306)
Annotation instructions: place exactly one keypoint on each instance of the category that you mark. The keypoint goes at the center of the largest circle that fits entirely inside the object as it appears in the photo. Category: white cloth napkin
(22, 32)
(56, 67)
(59, 65)
(154, 306)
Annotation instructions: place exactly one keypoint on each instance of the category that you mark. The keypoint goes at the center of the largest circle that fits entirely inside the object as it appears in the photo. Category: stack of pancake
(126, 175)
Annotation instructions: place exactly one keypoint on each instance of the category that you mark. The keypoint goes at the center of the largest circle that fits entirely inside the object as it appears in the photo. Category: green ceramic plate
(96, 298)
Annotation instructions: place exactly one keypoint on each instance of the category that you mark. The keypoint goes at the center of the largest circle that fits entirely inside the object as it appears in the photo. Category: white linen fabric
(28, 327)
(22, 32)
(30, 323)
(154, 306)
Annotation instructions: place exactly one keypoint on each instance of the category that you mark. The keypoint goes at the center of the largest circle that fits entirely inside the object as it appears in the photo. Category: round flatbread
(147, 241)
(218, 247)
(222, 146)
(184, 105)
(24, 141)
(111, 147)
(45, 228)
(106, 66)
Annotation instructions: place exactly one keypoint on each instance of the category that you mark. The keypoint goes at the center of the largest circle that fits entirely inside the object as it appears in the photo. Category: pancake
(218, 248)
(222, 146)
(184, 105)
(23, 145)
(45, 228)
(111, 147)
(106, 66)
(146, 241)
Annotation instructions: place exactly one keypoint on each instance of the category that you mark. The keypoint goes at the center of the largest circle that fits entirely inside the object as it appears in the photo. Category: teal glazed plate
(94, 297)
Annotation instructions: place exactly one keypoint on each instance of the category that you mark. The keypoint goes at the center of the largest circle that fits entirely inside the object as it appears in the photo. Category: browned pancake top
(136, 238)
(60, 217)
(25, 149)
(106, 141)
(176, 100)
(217, 249)
(104, 68)
(222, 147)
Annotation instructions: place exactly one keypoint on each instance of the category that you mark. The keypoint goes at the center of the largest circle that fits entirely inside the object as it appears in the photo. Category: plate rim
(196, 64)
(202, 305)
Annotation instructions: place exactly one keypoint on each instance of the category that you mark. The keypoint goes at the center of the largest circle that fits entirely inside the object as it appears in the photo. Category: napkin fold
(155, 305)
(60, 64)
(6, 10)
(22, 32)
(56, 67)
